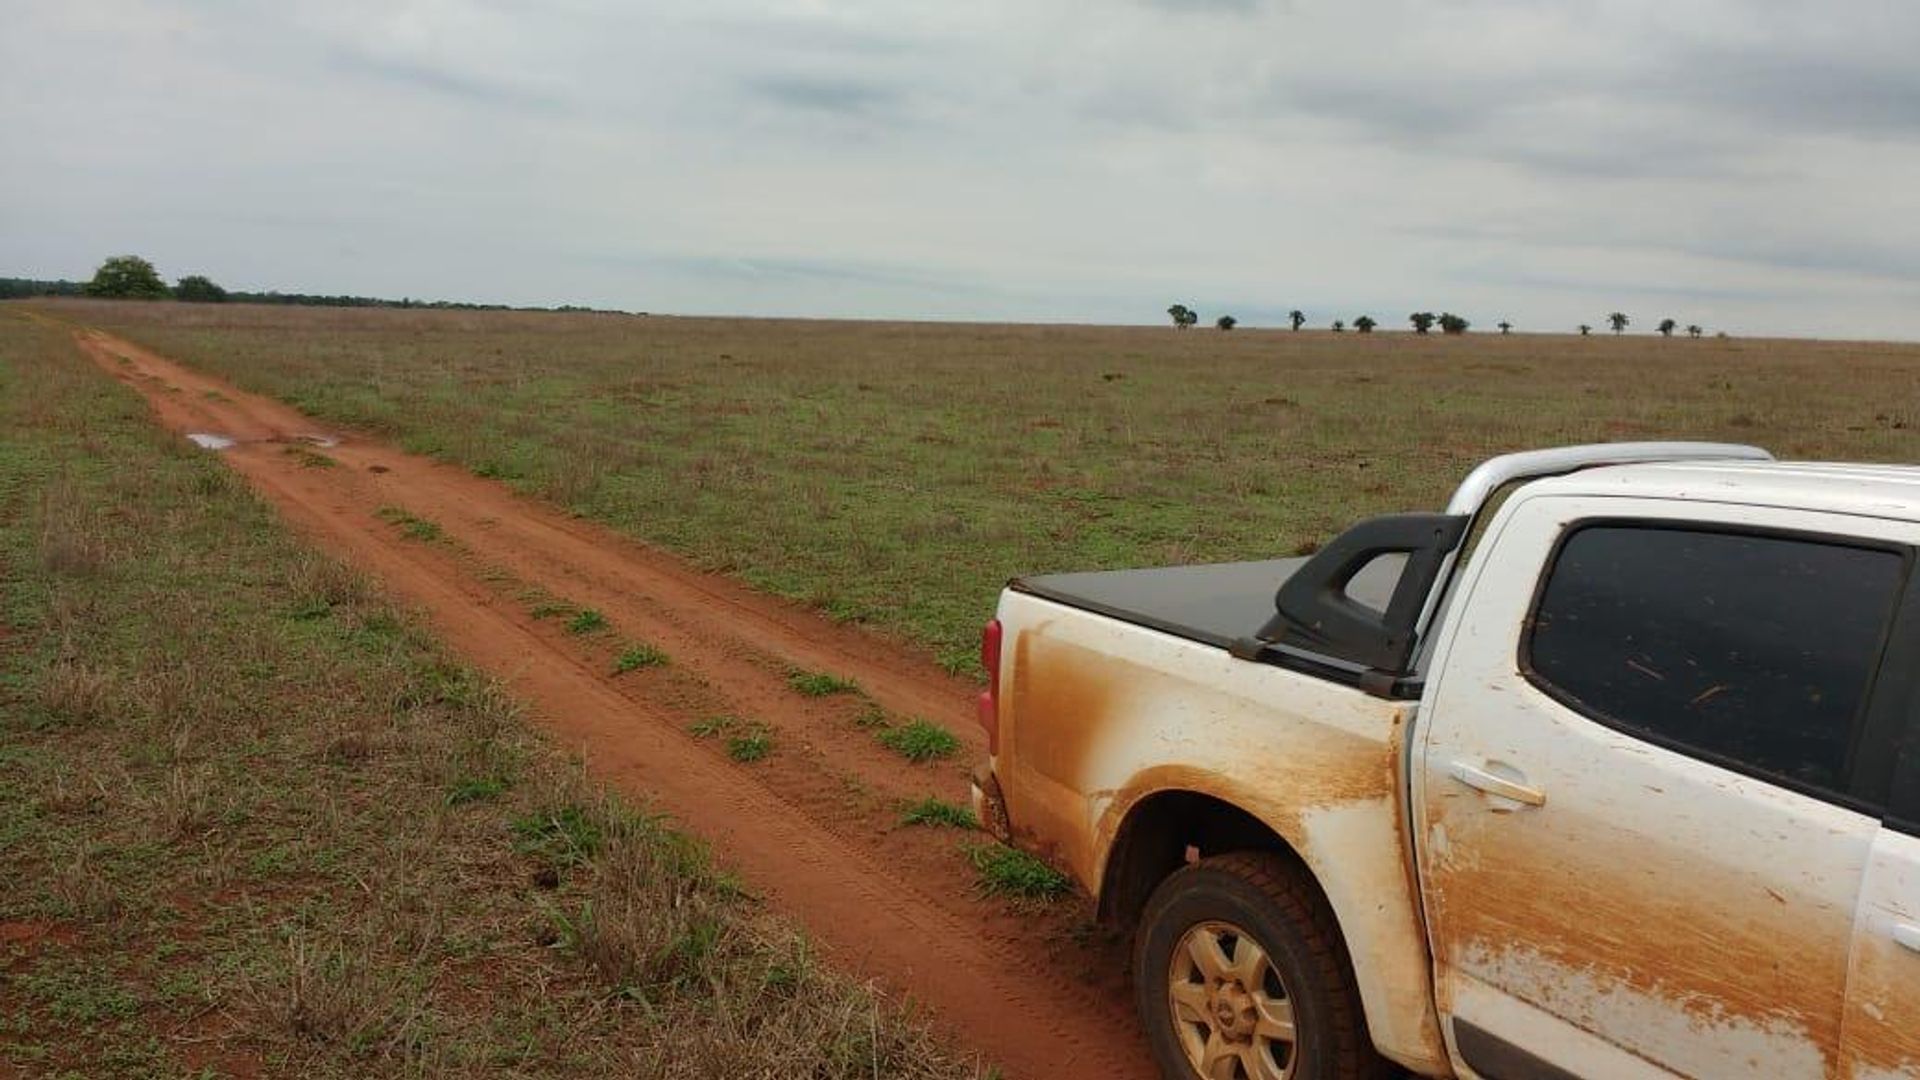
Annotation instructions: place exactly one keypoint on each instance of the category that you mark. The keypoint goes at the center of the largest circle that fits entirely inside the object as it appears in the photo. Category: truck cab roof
(1885, 491)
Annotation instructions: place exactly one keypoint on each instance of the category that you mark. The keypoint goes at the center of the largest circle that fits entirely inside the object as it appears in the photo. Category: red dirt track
(813, 828)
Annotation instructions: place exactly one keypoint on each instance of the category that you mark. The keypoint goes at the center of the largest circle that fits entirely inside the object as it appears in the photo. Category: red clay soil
(814, 827)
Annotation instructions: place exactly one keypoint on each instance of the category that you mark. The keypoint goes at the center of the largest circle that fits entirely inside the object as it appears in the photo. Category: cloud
(826, 94)
(1002, 159)
(413, 74)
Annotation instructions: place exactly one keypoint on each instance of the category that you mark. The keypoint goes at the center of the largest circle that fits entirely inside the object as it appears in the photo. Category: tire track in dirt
(813, 828)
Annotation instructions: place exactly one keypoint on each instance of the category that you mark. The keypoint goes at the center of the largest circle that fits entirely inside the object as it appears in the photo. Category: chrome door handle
(1907, 934)
(1492, 783)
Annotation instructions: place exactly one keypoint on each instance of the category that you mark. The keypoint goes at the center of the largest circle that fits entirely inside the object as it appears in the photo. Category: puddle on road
(209, 442)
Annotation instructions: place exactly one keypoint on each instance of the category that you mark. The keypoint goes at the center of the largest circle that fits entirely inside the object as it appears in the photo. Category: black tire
(1283, 913)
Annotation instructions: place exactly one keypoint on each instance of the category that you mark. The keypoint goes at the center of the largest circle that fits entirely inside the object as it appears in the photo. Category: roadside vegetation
(253, 819)
(919, 740)
(898, 474)
(1009, 872)
(820, 683)
(637, 656)
(940, 813)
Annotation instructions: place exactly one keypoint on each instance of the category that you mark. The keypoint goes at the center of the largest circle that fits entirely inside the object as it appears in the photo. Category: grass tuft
(564, 835)
(938, 812)
(1005, 871)
(637, 656)
(476, 789)
(587, 622)
(411, 527)
(749, 746)
(920, 740)
(820, 683)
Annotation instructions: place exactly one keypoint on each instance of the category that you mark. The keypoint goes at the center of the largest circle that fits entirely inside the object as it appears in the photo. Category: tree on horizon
(1453, 324)
(127, 277)
(1365, 324)
(1297, 318)
(1619, 321)
(1182, 316)
(1226, 322)
(199, 289)
(1505, 326)
(1422, 321)
(1666, 327)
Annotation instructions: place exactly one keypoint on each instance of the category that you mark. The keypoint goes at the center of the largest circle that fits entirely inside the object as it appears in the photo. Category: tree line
(130, 277)
(1185, 317)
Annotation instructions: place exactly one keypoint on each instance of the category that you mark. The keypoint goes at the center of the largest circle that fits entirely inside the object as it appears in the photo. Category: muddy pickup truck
(1610, 770)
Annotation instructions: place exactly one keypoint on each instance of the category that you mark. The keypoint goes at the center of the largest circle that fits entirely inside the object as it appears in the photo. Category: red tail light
(990, 697)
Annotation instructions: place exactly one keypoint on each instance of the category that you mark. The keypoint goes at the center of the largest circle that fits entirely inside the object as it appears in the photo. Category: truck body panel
(1098, 715)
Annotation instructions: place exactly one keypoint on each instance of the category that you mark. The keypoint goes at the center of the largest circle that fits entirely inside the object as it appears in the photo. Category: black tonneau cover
(1215, 604)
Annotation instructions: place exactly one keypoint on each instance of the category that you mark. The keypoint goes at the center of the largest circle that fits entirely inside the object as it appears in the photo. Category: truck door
(1640, 829)
(1880, 1035)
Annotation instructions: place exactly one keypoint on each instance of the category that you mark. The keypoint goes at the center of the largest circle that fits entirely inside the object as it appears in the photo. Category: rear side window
(1754, 651)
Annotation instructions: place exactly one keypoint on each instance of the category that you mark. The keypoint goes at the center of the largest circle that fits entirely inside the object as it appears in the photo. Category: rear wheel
(1241, 974)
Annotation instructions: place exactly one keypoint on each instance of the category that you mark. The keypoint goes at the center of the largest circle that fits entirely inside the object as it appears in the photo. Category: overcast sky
(1752, 165)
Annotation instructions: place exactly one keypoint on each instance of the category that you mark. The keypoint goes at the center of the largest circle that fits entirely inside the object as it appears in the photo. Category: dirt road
(813, 827)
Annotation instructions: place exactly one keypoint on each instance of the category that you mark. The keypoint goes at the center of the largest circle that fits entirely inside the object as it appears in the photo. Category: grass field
(252, 818)
(897, 474)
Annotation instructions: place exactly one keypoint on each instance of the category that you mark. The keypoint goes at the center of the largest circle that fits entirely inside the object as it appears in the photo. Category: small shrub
(938, 813)
(920, 740)
(635, 657)
(586, 622)
(820, 683)
(1004, 871)
(552, 608)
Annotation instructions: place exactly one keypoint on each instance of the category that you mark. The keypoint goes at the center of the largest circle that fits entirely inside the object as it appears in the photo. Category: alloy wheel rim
(1230, 1009)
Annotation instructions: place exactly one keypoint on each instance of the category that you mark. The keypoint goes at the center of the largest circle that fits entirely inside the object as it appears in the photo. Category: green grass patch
(938, 812)
(751, 745)
(712, 726)
(474, 789)
(1003, 871)
(587, 622)
(637, 656)
(411, 527)
(564, 835)
(919, 740)
(820, 683)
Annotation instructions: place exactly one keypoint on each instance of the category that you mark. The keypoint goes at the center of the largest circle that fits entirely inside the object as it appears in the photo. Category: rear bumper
(989, 809)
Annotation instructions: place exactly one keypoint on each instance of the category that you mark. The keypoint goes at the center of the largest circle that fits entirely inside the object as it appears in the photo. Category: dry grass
(897, 474)
(255, 820)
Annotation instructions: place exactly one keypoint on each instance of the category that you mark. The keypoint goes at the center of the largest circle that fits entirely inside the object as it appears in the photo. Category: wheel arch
(1152, 840)
(1163, 831)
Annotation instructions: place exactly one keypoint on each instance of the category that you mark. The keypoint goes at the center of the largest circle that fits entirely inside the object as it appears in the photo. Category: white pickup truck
(1610, 770)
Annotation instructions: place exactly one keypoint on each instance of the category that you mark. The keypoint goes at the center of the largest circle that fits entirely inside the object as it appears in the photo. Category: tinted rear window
(1752, 650)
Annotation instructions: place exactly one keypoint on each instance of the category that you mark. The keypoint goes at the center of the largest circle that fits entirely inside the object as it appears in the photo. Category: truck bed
(1214, 604)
